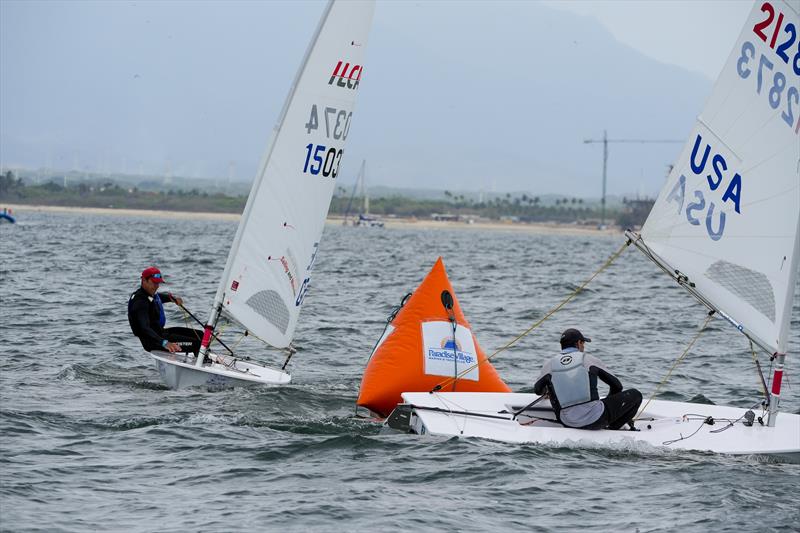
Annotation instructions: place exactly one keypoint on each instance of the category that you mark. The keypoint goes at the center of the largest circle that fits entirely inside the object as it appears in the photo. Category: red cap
(152, 273)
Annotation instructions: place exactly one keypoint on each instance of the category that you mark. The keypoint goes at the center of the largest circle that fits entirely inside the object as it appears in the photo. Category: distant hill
(447, 103)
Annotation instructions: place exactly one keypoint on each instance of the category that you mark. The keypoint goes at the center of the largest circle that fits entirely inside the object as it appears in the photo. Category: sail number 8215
(322, 159)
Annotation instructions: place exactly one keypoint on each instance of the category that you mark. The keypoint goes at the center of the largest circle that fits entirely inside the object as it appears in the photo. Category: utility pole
(605, 140)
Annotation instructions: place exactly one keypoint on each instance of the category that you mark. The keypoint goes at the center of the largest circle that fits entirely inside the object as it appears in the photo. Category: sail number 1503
(322, 159)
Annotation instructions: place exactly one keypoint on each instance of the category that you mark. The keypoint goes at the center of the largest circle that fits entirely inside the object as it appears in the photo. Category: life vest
(569, 379)
(162, 319)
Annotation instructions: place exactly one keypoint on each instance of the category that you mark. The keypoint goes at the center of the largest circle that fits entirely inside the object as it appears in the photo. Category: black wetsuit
(146, 320)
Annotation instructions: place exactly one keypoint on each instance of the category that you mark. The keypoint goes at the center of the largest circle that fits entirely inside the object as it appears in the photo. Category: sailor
(570, 381)
(147, 320)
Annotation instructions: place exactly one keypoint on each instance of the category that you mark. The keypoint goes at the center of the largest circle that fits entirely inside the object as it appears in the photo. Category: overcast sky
(456, 95)
(693, 34)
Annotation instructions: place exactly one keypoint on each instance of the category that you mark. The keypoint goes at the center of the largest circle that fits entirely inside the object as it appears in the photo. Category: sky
(692, 34)
(471, 95)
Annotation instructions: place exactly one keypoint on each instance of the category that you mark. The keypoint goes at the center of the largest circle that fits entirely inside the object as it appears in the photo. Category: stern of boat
(404, 419)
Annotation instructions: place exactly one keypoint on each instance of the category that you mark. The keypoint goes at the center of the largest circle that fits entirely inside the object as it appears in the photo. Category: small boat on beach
(7, 216)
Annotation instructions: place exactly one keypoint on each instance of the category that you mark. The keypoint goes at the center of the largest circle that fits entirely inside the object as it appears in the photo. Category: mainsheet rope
(221, 329)
(676, 363)
(186, 320)
(550, 313)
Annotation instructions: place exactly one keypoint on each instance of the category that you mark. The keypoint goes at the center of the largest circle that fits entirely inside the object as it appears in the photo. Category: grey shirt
(586, 413)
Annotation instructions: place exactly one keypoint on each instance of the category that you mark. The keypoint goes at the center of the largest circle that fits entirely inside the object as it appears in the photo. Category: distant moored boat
(7, 216)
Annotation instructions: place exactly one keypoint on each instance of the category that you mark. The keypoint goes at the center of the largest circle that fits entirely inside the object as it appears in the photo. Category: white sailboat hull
(179, 372)
(664, 425)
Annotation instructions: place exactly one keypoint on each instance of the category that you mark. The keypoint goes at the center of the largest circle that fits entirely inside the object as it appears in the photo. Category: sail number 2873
(320, 159)
(777, 82)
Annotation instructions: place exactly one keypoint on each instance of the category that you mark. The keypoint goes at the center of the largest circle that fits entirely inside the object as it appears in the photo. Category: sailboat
(7, 216)
(272, 256)
(725, 227)
(364, 220)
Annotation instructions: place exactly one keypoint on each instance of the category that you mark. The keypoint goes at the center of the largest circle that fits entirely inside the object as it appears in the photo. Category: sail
(270, 263)
(728, 217)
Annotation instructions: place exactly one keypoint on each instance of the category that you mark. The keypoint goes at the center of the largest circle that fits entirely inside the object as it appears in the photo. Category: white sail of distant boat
(364, 218)
(726, 226)
(270, 264)
(360, 187)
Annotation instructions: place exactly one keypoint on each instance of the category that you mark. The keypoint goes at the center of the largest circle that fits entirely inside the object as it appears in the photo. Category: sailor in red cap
(147, 320)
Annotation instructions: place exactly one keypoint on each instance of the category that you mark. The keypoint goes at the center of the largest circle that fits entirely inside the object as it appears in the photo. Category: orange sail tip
(419, 350)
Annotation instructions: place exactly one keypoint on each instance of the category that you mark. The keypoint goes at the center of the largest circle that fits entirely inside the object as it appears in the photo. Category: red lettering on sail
(345, 75)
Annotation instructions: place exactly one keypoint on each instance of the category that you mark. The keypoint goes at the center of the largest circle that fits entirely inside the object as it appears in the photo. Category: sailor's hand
(178, 300)
(173, 347)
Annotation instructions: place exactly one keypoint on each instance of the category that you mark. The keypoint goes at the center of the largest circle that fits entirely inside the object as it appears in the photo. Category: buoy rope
(389, 320)
(550, 313)
(215, 336)
(676, 363)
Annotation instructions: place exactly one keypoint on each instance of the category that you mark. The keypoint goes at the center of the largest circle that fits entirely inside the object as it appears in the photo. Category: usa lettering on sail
(718, 177)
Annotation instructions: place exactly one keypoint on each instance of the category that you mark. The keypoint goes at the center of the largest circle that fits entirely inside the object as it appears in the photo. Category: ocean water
(90, 439)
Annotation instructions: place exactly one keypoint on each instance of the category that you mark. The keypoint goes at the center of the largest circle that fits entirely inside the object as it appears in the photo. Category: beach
(389, 222)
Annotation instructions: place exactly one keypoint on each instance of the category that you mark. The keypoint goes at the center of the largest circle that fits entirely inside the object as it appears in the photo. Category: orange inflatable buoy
(419, 351)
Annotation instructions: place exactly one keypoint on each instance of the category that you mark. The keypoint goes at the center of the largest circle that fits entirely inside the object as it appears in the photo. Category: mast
(780, 356)
(216, 307)
(362, 174)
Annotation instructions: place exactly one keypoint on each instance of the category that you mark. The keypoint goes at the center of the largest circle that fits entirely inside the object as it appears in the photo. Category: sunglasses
(156, 276)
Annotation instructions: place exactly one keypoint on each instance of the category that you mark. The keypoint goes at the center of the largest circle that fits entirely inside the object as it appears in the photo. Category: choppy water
(90, 439)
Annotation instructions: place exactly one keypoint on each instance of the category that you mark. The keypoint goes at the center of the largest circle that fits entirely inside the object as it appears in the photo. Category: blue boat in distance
(6, 216)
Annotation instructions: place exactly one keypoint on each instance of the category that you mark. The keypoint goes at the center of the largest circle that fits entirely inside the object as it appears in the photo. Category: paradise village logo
(446, 350)
(439, 350)
(346, 76)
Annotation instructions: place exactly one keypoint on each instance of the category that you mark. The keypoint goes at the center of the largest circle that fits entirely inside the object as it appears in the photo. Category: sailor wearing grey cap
(570, 381)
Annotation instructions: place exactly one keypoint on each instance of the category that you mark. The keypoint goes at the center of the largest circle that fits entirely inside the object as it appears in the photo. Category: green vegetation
(523, 208)
(109, 194)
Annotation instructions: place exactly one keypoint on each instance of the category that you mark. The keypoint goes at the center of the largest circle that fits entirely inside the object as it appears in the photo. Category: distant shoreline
(152, 213)
(393, 223)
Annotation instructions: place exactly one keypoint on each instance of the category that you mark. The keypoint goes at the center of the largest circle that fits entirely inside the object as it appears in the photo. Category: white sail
(269, 267)
(729, 214)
